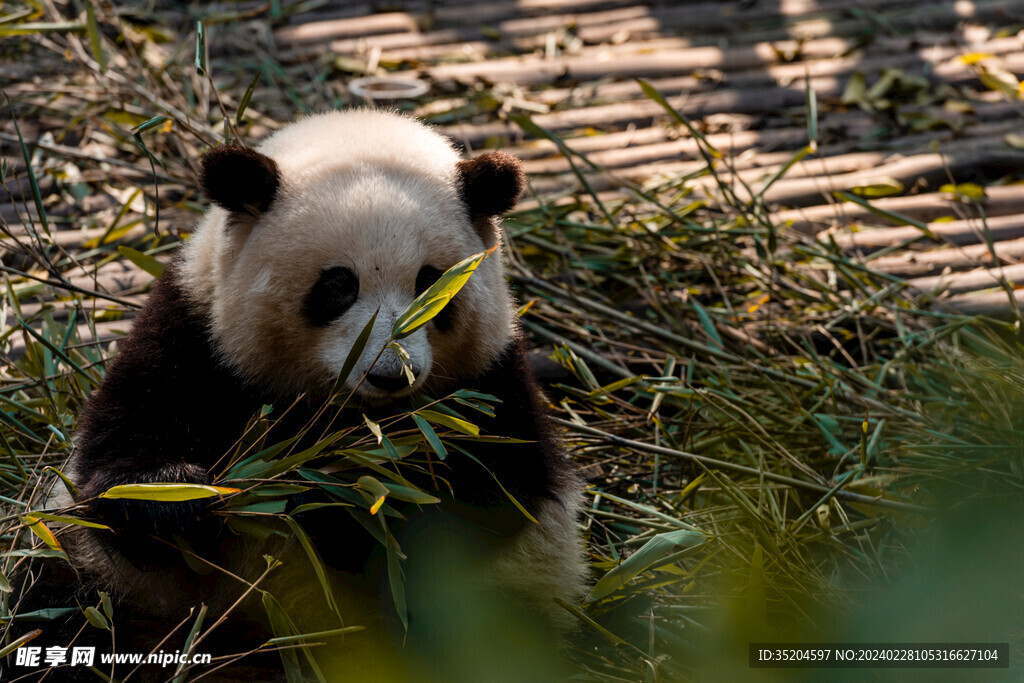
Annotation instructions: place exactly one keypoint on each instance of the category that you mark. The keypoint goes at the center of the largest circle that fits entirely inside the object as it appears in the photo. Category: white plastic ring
(387, 88)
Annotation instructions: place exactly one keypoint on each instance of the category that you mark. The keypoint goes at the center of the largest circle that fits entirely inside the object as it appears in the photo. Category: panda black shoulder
(167, 402)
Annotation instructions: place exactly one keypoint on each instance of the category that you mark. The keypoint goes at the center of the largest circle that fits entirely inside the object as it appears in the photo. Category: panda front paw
(163, 519)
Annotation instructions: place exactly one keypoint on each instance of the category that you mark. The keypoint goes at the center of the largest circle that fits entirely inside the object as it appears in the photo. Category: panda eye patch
(427, 276)
(332, 295)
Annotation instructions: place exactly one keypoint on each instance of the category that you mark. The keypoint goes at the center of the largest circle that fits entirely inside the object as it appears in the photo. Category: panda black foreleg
(139, 523)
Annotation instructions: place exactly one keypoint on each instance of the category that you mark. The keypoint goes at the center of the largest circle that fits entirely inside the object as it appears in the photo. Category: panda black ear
(491, 184)
(239, 179)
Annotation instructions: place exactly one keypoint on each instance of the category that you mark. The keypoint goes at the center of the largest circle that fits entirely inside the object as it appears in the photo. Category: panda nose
(388, 382)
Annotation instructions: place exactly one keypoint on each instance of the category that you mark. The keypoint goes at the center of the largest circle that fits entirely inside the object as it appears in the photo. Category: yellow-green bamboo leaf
(42, 531)
(431, 302)
(167, 492)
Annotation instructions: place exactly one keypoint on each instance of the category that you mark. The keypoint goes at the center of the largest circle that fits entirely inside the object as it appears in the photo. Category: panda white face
(353, 229)
(372, 256)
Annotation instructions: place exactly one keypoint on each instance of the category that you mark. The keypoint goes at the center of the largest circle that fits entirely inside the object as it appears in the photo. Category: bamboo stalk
(999, 200)
(959, 233)
(961, 283)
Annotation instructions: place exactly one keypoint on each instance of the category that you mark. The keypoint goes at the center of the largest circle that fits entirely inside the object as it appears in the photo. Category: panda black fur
(328, 220)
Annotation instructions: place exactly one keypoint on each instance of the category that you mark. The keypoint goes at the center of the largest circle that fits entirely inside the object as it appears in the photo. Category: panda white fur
(328, 220)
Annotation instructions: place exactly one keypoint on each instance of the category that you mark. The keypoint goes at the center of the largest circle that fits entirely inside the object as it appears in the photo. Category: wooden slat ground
(739, 69)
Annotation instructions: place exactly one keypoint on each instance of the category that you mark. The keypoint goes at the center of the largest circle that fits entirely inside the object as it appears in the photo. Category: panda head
(336, 217)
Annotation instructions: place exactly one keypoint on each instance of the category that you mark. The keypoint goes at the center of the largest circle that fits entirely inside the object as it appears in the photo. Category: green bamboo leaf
(784, 169)
(652, 93)
(890, 215)
(148, 124)
(57, 351)
(450, 422)
(5, 584)
(409, 494)
(167, 491)
(46, 614)
(318, 635)
(709, 326)
(469, 393)
(514, 501)
(153, 161)
(144, 261)
(317, 506)
(271, 507)
(61, 519)
(179, 673)
(254, 465)
(34, 552)
(530, 127)
(280, 625)
(648, 510)
(200, 61)
(395, 577)
(656, 549)
(354, 353)
(93, 616)
(19, 642)
(252, 527)
(316, 562)
(33, 183)
(246, 97)
(431, 435)
(68, 484)
(370, 465)
(29, 28)
(431, 302)
(377, 491)
(93, 29)
(276, 467)
(108, 607)
(389, 448)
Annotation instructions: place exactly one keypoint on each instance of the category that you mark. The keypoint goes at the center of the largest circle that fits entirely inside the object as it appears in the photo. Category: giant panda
(327, 221)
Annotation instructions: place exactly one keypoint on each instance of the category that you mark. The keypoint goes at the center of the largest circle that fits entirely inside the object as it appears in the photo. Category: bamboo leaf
(167, 491)
(14, 645)
(68, 484)
(431, 302)
(33, 183)
(316, 562)
(179, 673)
(512, 499)
(43, 532)
(396, 579)
(375, 428)
(376, 490)
(280, 625)
(46, 614)
(93, 29)
(354, 353)
(93, 616)
(455, 423)
(144, 261)
(318, 635)
(61, 519)
(246, 97)
(431, 436)
(881, 187)
(656, 549)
